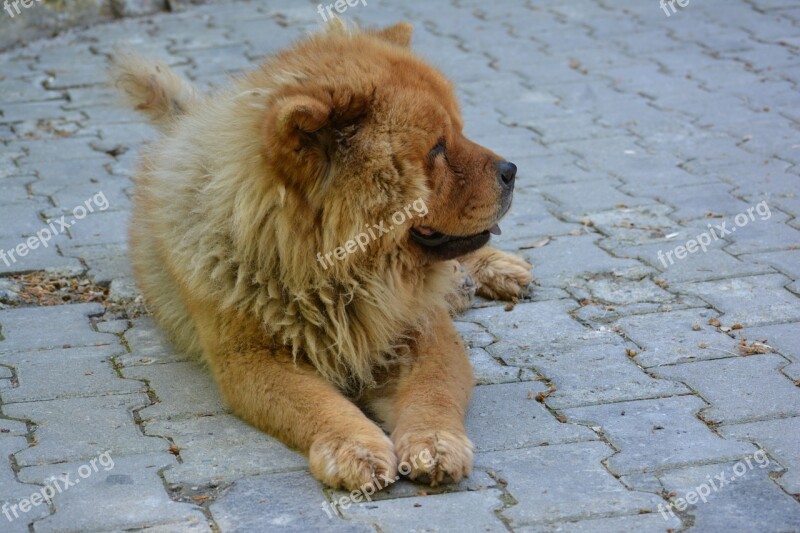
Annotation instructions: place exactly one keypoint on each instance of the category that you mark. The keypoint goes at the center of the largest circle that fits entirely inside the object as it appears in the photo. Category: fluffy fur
(246, 186)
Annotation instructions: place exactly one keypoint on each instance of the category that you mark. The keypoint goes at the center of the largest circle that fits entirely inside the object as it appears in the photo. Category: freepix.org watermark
(57, 485)
(671, 4)
(54, 228)
(366, 490)
(360, 241)
(340, 6)
(704, 490)
(9, 4)
(715, 232)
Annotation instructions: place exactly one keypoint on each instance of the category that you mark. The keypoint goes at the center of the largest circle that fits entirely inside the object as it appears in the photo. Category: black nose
(507, 171)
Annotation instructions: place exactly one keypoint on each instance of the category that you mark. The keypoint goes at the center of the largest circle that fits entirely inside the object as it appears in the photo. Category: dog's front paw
(353, 461)
(461, 298)
(502, 276)
(433, 455)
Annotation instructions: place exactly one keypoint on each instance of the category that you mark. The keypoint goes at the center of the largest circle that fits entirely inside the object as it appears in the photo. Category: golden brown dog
(247, 188)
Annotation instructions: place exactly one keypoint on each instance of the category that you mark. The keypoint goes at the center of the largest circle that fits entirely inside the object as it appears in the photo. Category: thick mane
(250, 242)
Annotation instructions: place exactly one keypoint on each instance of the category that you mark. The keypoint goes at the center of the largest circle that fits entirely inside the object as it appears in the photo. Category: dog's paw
(502, 276)
(353, 461)
(461, 298)
(434, 456)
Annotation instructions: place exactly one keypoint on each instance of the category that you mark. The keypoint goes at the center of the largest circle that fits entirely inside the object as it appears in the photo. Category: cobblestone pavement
(648, 385)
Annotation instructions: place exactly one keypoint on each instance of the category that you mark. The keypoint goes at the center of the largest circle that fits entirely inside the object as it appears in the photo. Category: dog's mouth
(444, 246)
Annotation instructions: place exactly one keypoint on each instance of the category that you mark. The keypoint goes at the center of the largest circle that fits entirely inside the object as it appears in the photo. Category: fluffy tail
(153, 88)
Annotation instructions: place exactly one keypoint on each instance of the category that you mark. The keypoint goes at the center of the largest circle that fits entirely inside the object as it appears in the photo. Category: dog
(353, 361)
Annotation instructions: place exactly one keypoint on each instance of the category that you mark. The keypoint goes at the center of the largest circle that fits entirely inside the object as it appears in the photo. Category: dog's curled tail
(153, 88)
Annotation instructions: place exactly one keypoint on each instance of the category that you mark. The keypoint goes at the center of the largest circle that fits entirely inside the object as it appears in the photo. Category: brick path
(619, 389)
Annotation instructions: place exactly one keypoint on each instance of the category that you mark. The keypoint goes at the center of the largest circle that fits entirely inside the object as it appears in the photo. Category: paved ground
(649, 384)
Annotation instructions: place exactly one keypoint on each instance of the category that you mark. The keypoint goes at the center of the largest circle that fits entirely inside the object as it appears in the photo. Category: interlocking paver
(518, 419)
(80, 428)
(74, 372)
(129, 494)
(656, 435)
(562, 482)
(779, 439)
(750, 503)
(222, 447)
(632, 131)
(750, 301)
(739, 388)
(287, 502)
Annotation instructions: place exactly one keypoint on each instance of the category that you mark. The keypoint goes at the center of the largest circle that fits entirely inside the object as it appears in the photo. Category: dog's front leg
(429, 405)
(293, 403)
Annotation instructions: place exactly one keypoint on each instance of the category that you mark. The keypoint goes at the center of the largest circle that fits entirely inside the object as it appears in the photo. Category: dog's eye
(436, 150)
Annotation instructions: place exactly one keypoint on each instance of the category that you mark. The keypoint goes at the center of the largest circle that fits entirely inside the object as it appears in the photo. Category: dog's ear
(304, 129)
(399, 34)
(299, 115)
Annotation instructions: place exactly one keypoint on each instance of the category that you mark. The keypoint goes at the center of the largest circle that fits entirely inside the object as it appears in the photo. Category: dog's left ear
(301, 130)
(399, 34)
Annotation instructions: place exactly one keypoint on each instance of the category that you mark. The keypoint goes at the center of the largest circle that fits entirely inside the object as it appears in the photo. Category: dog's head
(371, 137)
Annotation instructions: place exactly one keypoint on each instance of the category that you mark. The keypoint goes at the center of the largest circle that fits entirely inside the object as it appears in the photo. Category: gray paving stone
(730, 508)
(517, 419)
(668, 338)
(573, 372)
(783, 338)
(490, 371)
(579, 199)
(222, 448)
(80, 428)
(599, 105)
(564, 258)
(562, 482)
(59, 150)
(105, 261)
(779, 439)
(617, 524)
(404, 488)
(13, 427)
(714, 263)
(129, 494)
(285, 502)
(750, 301)
(183, 389)
(741, 388)
(148, 345)
(58, 374)
(11, 490)
(698, 201)
(637, 225)
(116, 327)
(655, 435)
(786, 262)
(45, 328)
(476, 511)
(532, 326)
(36, 110)
(98, 228)
(763, 235)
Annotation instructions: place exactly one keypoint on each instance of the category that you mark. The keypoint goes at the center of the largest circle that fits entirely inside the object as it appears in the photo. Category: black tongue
(495, 230)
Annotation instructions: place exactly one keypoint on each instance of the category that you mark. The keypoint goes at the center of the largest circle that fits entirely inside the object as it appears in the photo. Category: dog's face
(380, 131)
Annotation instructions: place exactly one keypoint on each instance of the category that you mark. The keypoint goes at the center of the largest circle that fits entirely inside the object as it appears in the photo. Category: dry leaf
(753, 348)
(535, 244)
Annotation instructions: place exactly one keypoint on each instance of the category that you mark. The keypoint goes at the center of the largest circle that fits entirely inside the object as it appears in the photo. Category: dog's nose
(506, 172)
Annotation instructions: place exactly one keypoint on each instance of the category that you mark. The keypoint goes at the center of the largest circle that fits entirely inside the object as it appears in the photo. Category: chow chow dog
(353, 360)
